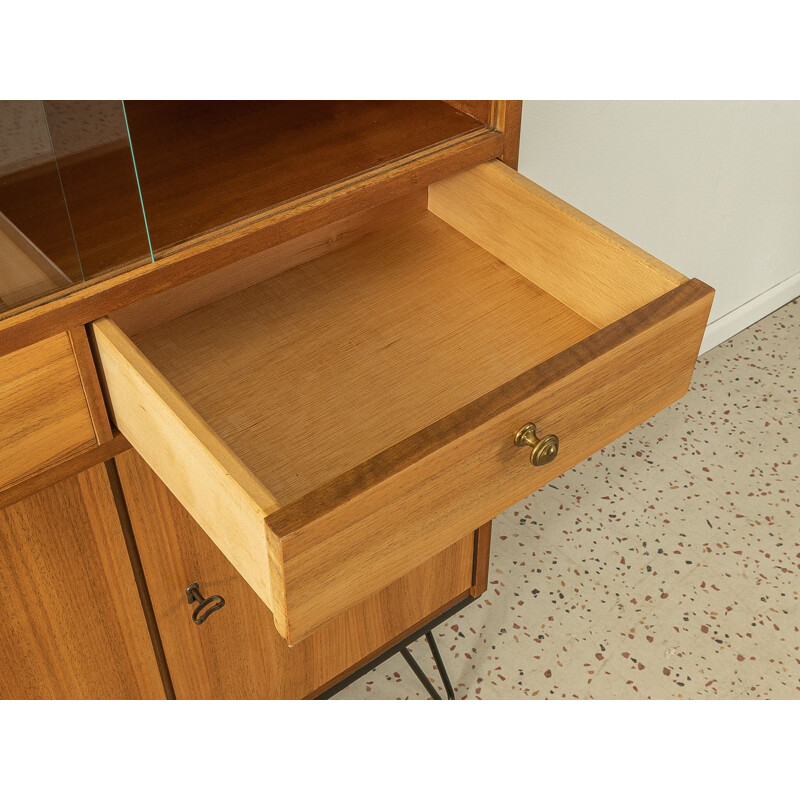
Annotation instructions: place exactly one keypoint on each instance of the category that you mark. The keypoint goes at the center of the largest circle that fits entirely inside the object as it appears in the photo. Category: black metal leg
(423, 678)
(448, 687)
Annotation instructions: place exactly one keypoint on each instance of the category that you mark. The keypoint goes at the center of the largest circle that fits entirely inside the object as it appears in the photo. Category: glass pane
(206, 164)
(92, 149)
(91, 186)
(37, 249)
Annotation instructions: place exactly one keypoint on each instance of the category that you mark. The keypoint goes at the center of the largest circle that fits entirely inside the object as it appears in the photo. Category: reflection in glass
(92, 186)
(92, 150)
(37, 249)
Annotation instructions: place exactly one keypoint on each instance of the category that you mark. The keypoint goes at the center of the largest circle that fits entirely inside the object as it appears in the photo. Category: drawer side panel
(206, 477)
(586, 266)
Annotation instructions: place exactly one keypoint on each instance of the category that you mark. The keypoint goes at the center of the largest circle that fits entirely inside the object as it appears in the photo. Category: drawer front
(346, 540)
(44, 414)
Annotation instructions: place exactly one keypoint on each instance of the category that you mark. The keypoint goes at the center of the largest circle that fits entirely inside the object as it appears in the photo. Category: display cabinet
(350, 336)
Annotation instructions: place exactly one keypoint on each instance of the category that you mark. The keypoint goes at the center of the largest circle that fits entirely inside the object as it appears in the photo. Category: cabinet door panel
(72, 625)
(236, 652)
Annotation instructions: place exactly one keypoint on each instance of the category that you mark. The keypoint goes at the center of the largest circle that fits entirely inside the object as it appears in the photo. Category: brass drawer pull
(212, 604)
(543, 450)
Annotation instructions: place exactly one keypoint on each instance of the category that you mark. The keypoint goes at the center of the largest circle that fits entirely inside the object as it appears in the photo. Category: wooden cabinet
(71, 624)
(237, 653)
(384, 378)
(351, 324)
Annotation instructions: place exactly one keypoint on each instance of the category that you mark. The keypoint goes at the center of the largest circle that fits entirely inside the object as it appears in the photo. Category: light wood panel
(342, 542)
(167, 305)
(320, 368)
(577, 260)
(44, 415)
(206, 475)
(72, 625)
(237, 652)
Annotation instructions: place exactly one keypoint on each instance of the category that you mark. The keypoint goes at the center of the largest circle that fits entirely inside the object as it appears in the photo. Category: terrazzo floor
(665, 566)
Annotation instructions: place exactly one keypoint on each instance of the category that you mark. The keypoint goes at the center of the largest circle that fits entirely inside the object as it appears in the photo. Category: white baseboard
(752, 311)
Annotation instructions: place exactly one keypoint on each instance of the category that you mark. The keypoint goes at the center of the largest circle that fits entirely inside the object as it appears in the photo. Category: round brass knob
(543, 450)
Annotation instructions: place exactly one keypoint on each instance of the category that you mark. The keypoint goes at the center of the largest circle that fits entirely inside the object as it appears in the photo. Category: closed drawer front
(44, 414)
(336, 424)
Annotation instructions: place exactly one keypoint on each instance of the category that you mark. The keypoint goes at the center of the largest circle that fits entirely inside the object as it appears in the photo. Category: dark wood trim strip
(319, 502)
(502, 115)
(66, 469)
(507, 117)
(96, 298)
(138, 573)
(481, 558)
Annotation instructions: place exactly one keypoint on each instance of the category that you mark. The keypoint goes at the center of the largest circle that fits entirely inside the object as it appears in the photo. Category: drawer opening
(321, 367)
(348, 344)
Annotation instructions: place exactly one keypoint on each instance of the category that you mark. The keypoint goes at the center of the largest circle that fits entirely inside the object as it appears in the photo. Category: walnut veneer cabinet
(358, 335)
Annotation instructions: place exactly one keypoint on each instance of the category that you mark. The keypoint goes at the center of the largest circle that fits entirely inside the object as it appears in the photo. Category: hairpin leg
(422, 677)
(448, 687)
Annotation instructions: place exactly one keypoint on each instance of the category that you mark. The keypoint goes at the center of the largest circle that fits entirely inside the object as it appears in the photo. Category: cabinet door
(71, 622)
(236, 652)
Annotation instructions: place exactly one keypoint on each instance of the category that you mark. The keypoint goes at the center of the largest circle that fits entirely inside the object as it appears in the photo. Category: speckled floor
(666, 566)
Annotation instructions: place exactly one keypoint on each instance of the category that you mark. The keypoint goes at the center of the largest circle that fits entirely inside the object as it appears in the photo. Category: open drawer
(352, 410)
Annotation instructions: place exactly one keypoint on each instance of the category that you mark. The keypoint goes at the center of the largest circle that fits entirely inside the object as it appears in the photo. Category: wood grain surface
(63, 469)
(204, 164)
(237, 653)
(167, 305)
(385, 381)
(320, 368)
(87, 370)
(577, 260)
(44, 415)
(466, 467)
(205, 474)
(72, 625)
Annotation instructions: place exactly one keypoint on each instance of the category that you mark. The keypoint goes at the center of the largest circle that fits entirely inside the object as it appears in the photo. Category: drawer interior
(283, 381)
(317, 369)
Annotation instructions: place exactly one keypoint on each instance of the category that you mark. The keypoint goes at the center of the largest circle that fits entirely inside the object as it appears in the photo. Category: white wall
(711, 188)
